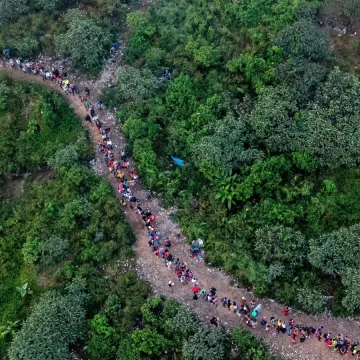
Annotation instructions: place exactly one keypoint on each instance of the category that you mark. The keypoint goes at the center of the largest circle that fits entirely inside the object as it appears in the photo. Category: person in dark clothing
(88, 118)
(87, 92)
(215, 321)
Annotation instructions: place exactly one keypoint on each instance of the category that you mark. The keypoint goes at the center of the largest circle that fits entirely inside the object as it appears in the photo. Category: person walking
(171, 284)
(88, 118)
(87, 92)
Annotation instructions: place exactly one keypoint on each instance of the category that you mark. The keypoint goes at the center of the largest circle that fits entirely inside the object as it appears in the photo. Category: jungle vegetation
(66, 259)
(251, 96)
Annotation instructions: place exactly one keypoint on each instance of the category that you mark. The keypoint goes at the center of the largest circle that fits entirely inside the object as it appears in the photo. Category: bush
(60, 315)
(247, 347)
(53, 250)
(86, 42)
(208, 343)
(145, 158)
(64, 157)
(311, 300)
(304, 39)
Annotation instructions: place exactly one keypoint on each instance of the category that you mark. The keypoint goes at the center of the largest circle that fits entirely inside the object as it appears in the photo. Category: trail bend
(150, 268)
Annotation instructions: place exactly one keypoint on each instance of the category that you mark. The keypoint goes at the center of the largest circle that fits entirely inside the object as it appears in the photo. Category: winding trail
(150, 268)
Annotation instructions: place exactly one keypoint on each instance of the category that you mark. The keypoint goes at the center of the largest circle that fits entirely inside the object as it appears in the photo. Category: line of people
(248, 312)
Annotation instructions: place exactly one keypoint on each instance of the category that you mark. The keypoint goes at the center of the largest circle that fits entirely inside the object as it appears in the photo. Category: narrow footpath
(150, 268)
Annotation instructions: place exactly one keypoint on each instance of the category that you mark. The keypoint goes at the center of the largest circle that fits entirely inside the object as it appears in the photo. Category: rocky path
(150, 268)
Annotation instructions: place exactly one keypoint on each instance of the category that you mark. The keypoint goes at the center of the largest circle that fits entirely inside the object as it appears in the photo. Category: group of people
(249, 312)
(34, 67)
(339, 343)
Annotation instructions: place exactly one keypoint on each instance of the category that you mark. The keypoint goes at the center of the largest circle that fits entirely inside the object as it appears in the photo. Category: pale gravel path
(151, 268)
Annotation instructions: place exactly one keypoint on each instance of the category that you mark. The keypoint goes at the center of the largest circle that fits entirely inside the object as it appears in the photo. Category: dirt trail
(150, 268)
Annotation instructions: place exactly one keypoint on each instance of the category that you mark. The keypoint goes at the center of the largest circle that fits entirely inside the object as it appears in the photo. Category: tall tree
(208, 343)
(56, 321)
(337, 251)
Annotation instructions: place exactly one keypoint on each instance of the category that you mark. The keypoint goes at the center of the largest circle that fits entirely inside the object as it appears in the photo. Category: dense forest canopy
(66, 261)
(261, 102)
(251, 96)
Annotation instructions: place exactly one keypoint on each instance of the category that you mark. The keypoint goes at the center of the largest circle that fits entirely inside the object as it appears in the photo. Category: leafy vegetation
(36, 123)
(80, 29)
(248, 95)
(52, 270)
(86, 41)
(66, 263)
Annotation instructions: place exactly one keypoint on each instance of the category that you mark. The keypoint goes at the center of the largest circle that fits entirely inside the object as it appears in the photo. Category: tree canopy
(56, 321)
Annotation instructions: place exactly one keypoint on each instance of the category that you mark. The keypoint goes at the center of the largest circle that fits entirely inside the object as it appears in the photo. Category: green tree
(4, 92)
(149, 342)
(248, 347)
(272, 119)
(281, 244)
(11, 10)
(86, 41)
(152, 310)
(337, 251)
(64, 157)
(311, 300)
(181, 326)
(351, 280)
(331, 143)
(228, 144)
(30, 250)
(304, 39)
(9, 329)
(134, 84)
(208, 343)
(337, 96)
(204, 54)
(256, 70)
(180, 96)
(302, 76)
(53, 250)
(141, 21)
(102, 338)
(55, 322)
(145, 157)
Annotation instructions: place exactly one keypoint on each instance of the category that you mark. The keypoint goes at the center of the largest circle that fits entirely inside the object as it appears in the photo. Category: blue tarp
(178, 161)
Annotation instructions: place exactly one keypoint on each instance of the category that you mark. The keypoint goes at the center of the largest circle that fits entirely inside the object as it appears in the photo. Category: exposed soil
(11, 188)
(346, 45)
(150, 268)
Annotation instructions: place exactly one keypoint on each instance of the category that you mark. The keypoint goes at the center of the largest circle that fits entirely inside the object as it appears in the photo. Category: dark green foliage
(62, 316)
(247, 347)
(347, 10)
(29, 28)
(210, 343)
(336, 252)
(304, 39)
(36, 122)
(102, 338)
(268, 130)
(86, 41)
(11, 10)
(302, 76)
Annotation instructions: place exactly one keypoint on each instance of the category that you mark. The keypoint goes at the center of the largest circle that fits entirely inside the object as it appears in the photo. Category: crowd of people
(248, 312)
(126, 177)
